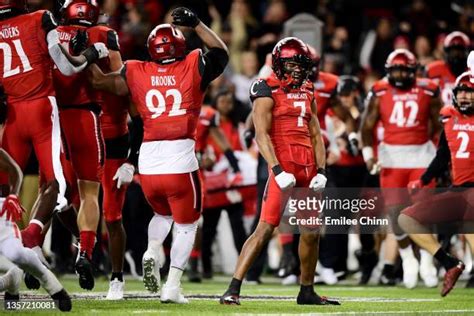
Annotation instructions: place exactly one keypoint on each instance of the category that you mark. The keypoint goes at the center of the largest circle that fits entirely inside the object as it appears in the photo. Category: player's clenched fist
(318, 183)
(12, 208)
(185, 17)
(284, 179)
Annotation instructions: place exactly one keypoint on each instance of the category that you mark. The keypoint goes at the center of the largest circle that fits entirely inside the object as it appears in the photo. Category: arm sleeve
(136, 138)
(48, 22)
(57, 55)
(211, 65)
(440, 162)
(260, 89)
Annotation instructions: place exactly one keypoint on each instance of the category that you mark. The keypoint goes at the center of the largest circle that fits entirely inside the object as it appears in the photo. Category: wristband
(91, 54)
(367, 153)
(277, 170)
(322, 171)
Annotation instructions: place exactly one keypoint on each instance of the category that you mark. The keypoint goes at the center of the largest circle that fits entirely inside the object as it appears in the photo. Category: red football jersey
(208, 118)
(405, 114)
(168, 97)
(459, 130)
(75, 89)
(291, 112)
(27, 66)
(439, 72)
(324, 88)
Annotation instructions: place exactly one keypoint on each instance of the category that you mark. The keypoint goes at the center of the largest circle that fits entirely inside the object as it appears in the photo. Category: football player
(79, 107)
(12, 249)
(289, 138)
(444, 72)
(408, 108)
(455, 149)
(30, 47)
(168, 92)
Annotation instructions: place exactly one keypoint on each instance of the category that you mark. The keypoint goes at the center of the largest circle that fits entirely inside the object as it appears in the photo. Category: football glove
(185, 17)
(285, 180)
(249, 135)
(353, 144)
(318, 183)
(12, 208)
(96, 51)
(79, 42)
(124, 174)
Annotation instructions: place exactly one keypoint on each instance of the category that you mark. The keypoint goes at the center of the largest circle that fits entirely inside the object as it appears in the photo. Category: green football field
(269, 298)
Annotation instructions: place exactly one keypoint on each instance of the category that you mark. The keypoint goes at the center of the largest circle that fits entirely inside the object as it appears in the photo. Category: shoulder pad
(259, 89)
(380, 86)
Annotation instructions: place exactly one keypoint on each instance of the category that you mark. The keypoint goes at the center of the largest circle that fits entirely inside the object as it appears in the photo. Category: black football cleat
(367, 261)
(63, 300)
(84, 270)
(311, 298)
(230, 299)
(31, 282)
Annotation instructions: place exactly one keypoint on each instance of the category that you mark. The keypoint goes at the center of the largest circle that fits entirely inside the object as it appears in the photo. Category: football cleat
(451, 277)
(172, 294)
(84, 270)
(230, 299)
(63, 300)
(311, 298)
(151, 274)
(115, 290)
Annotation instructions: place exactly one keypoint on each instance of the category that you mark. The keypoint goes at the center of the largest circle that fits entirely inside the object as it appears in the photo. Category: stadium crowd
(358, 38)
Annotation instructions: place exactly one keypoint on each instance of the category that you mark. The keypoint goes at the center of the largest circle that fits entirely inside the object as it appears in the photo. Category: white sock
(425, 256)
(174, 277)
(407, 252)
(182, 244)
(5, 264)
(158, 229)
(28, 261)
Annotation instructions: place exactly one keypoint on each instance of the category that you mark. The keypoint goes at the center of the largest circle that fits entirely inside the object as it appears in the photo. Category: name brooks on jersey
(159, 81)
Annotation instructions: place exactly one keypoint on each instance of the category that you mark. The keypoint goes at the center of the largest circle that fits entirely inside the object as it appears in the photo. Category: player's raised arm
(113, 82)
(216, 58)
(370, 118)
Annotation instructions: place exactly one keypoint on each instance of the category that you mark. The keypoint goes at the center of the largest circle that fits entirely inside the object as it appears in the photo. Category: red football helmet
(7, 5)
(291, 49)
(82, 12)
(403, 60)
(456, 47)
(316, 59)
(464, 82)
(166, 44)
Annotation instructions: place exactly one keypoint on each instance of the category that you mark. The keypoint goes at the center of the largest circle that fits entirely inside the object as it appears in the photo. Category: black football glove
(79, 42)
(184, 17)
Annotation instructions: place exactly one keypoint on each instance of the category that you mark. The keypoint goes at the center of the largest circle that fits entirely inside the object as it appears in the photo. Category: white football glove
(318, 183)
(101, 49)
(285, 180)
(124, 174)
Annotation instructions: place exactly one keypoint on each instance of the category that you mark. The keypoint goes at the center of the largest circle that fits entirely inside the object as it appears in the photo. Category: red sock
(31, 235)
(87, 241)
(195, 254)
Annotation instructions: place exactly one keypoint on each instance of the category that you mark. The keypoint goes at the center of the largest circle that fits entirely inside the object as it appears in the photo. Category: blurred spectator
(377, 45)
(422, 50)
(243, 80)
